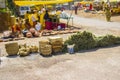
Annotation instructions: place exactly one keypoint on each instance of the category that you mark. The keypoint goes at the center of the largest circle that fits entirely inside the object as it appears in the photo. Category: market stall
(40, 2)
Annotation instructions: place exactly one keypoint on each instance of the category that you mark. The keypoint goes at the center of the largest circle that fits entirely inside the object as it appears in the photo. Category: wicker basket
(12, 20)
(45, 49)
(46, 52)
(54, 47)
(12, 48)
(43, 42)
(57, 44)
(54, 40)
(57, 50)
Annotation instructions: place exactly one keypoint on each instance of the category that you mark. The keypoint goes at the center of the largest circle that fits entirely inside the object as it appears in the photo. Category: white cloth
(64, 14)
(33, 18)
(38, 26)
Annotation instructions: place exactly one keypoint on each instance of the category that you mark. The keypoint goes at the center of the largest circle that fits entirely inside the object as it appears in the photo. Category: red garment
(90, 7)
(48, 25)
(16, 28)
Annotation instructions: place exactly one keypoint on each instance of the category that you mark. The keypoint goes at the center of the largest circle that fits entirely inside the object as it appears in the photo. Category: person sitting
(63, 14)
(27, 27)
(38, 26)
(46, 16)
(16, 30)
(27, 24)
(27, 15)
(33, 18)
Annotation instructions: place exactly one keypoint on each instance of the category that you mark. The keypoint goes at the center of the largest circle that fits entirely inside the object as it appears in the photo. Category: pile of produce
(80, 41)
(32, 33)
(57, 43)
(45, 48)
(25, 50)
(33, 49)
(86, 40)
(107, 40)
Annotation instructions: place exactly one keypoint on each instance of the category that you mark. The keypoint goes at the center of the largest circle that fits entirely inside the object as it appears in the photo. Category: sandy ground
(95, 64)
(95, 23)
(98, 15)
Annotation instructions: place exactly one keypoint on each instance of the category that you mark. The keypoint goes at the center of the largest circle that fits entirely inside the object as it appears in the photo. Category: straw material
(57, 50)
(43, 42)
(46, 52)
(54, 47)
(12, 20)
(57, 44)
(12, 48)
(45, 46)
(55, 40)
(45, 49)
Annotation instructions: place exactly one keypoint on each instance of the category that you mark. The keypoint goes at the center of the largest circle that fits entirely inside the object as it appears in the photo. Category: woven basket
(45, 49)
(54, 47)
(12, 48)
(46, 52)
(57, 44)
(12, 20)
(45, 46)
(55, 40)
(43, 42)
(57, 50)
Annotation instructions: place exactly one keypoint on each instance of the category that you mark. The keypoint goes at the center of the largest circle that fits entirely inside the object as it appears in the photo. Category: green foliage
(2, 10)
(86, 40)
(107, 40)
(11, 6)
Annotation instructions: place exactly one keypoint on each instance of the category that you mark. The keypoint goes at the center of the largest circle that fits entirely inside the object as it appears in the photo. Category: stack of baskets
(12, 48)
(57, 43)
(45, 48)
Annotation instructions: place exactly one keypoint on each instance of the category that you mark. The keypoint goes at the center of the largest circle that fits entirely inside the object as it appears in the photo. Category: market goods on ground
(12, 48)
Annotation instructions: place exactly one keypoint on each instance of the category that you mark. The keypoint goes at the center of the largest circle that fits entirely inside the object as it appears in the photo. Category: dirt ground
(98, 15)
(95, 64)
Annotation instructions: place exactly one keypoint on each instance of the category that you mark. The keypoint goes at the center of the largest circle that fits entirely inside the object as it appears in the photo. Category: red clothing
(90, 7)
(16, 28)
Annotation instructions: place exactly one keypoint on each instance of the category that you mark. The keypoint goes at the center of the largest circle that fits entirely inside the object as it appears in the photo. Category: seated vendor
(27, 27)
(63, 14)
(38, 26)
(46, 16)
(16, 30)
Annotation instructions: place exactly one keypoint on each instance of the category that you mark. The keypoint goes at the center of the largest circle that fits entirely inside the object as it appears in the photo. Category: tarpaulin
(23, 3)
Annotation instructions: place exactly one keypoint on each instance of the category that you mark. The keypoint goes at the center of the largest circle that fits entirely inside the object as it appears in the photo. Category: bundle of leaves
(86, 40)
(82, 40)
(107, 40)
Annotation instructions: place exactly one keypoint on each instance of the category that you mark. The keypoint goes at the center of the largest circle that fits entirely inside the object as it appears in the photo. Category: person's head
(27, 12)
(32, 11)
(46, 11)
(17, 20)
